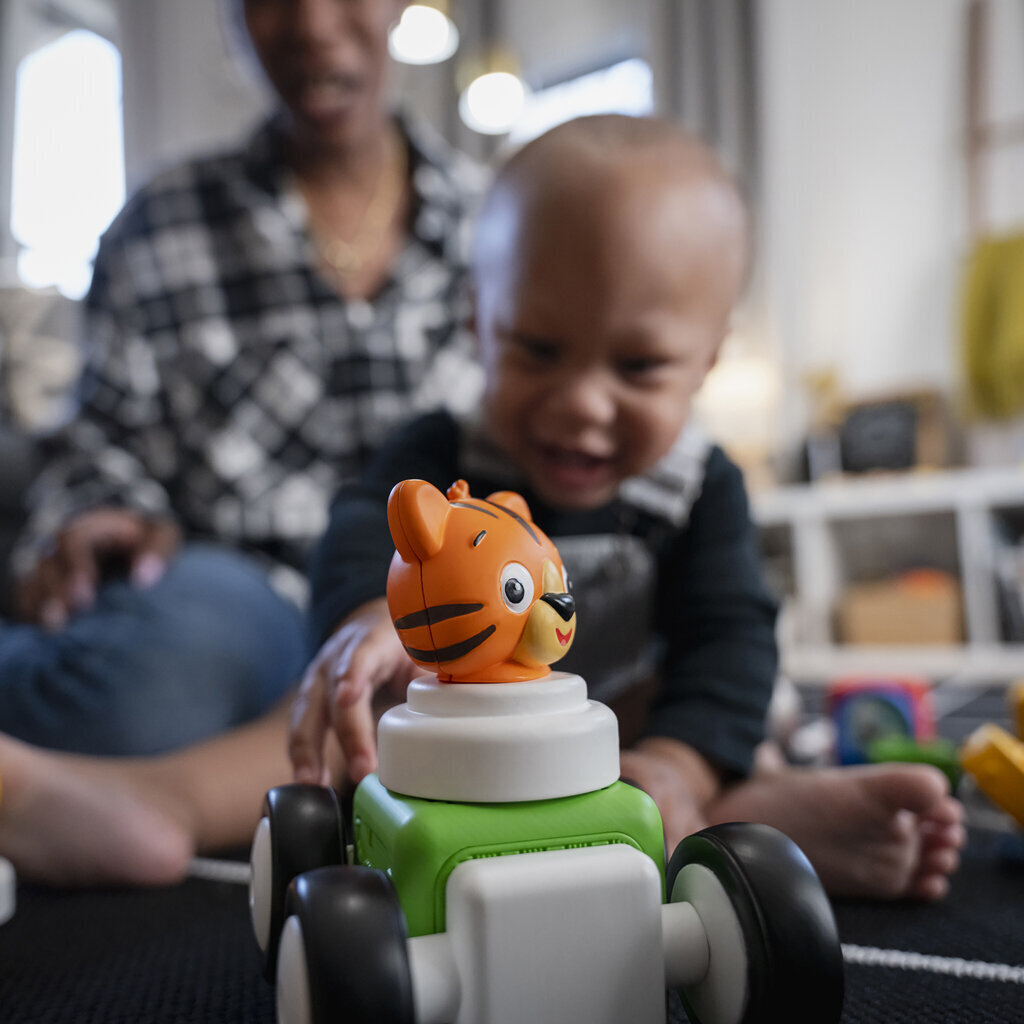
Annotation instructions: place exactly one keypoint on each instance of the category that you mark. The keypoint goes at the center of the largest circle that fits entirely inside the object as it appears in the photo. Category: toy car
(498, 871)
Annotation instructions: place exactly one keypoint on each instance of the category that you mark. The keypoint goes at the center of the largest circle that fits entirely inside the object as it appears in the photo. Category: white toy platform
(498, 742)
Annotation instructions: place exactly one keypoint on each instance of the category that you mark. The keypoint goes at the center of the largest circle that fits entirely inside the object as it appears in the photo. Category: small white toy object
(7, 890)
(499, 871)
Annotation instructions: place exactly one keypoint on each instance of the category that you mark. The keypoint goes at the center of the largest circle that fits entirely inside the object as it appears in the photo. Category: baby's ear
(513, 502)
(417, 515)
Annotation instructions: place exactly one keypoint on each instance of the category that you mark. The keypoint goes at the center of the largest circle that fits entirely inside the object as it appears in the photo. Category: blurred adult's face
(328, 62)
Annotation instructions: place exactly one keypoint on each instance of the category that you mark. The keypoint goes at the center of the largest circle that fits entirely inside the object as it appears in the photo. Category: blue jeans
(210, 646)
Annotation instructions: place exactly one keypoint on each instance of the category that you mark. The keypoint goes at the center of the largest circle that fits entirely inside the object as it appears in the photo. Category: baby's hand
(677, 778)
(362, 656)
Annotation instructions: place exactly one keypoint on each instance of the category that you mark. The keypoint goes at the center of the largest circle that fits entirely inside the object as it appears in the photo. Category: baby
(610, 253)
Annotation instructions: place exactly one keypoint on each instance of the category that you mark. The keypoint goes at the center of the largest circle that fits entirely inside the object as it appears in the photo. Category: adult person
(258, 321)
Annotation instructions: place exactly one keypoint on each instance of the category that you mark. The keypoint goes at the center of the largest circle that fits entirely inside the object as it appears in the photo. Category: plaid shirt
(226, 382)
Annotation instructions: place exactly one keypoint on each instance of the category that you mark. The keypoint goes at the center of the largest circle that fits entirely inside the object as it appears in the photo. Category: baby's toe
(929, 887)
(943, 860)
(935, 836)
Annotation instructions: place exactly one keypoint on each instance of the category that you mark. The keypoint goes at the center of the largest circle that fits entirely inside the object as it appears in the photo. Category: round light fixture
(492, 103)
(424, 35)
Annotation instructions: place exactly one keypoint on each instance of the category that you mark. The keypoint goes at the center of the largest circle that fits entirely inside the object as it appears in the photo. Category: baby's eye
(516, 587)
(538, 349)
(641, 366)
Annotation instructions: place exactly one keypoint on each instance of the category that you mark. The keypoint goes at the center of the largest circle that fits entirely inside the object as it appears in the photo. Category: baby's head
(609, 254)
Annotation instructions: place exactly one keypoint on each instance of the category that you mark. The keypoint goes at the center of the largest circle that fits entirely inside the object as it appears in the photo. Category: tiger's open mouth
(563, 638)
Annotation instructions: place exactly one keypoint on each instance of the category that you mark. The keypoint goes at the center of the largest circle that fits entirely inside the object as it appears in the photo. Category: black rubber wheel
(306, 831)
(794, 958)
(355, 945)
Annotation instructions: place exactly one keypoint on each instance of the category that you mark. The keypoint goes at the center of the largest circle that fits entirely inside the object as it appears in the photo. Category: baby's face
(596, 331)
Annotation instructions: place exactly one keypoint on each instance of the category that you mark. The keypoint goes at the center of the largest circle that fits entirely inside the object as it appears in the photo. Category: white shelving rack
(834, 532)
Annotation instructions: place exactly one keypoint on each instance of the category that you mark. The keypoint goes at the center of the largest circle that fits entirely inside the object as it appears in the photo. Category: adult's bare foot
(878, 831)
(69, 820)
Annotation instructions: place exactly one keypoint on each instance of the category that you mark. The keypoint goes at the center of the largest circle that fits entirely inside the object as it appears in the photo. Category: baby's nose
(588, 398)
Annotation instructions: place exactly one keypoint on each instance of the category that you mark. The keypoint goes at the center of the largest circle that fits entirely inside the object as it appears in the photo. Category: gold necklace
(348, 257)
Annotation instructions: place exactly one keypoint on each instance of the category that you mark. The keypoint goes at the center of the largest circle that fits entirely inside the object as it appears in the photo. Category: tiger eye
(514, 591)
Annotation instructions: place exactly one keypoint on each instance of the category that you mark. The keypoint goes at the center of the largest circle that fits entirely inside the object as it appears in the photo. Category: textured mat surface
(186, 956)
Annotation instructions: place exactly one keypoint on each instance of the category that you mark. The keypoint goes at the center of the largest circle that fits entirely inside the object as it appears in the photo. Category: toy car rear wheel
(301, 828)
(754, 889)
(344, 951)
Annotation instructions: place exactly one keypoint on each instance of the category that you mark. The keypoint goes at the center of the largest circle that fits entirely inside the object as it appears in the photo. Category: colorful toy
(995, 760)
(499, 871)
(939, 752)
(463, 606)
(865, 710)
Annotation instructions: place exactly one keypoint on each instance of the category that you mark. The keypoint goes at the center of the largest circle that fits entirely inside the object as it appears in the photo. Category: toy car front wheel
(301, 829)
(774, 947)
(344, 951)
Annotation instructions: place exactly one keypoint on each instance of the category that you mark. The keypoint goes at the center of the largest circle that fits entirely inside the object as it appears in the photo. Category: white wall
(864, 199)
(183, 92)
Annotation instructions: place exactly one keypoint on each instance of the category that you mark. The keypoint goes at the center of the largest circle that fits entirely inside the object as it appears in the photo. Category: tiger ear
(417, 514)
(513, 502)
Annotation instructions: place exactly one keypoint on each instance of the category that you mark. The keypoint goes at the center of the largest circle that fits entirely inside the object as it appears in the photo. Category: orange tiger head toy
(476, 590)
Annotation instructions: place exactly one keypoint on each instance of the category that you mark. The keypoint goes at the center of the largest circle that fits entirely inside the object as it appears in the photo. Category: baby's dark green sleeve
(716, 619)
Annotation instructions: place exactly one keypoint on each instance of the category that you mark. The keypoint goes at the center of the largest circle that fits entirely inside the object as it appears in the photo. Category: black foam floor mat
(185, 955)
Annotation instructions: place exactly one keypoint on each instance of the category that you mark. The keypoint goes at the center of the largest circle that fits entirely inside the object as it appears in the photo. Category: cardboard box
(921, 607)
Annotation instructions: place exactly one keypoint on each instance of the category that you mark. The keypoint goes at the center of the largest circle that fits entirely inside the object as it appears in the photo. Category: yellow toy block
(995, 759)
(1015, 705)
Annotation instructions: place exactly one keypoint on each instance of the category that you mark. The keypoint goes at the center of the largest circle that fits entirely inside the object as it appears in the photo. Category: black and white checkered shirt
(226, 382)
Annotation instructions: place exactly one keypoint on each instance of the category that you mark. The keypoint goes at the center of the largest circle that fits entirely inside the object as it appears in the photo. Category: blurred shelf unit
(821, 540)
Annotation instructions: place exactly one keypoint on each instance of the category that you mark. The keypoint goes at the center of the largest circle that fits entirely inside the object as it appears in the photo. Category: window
(623, 88)
(68, 158)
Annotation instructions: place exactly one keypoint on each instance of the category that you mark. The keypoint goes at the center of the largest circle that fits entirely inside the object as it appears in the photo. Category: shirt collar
(667, 491)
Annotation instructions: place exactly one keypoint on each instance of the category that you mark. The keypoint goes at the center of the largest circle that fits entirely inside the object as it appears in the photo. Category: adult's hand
(89, 547)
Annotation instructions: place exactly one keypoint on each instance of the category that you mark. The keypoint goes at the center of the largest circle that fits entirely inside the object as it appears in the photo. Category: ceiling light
(424, 35)
(494, 99)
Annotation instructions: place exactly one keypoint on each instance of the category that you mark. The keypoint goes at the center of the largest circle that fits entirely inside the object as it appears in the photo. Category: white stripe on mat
(236, 871)
(907, 961)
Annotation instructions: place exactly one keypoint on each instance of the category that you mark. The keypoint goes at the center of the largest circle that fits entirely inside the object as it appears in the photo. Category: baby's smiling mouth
(573, 472)
(574, 458)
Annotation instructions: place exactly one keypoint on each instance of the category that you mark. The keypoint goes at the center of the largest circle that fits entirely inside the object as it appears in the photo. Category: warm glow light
(739, 406)
(423, 36)
(492, 103)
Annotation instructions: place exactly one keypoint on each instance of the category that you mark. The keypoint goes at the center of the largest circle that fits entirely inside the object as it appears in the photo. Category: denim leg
(208, 647)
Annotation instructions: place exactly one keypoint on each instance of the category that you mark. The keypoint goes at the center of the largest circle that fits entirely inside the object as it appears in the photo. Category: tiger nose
(564, 604)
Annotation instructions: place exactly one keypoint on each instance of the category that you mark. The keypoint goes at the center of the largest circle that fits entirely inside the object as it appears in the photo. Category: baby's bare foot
(69, 820)
(880, 831)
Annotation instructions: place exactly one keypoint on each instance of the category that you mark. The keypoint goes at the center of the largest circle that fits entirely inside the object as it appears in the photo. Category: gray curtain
(709, 78)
